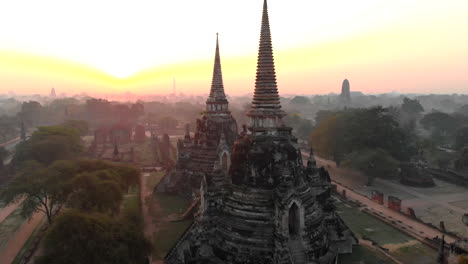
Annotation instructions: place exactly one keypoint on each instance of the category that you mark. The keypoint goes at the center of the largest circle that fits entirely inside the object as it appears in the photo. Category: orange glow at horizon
(423, 52)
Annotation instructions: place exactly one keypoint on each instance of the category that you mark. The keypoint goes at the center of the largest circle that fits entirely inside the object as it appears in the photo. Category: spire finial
(217, 96)
(266, 101)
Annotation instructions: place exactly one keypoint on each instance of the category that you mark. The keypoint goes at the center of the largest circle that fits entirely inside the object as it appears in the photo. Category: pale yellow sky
(139, 46)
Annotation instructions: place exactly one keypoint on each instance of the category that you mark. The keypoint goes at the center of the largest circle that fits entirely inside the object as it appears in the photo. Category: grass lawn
(171, 204)
(364, 225)
(167, 233)
(153, 179)
(417, 253)
(166, 237)
(131, 202)
(364, 255)
(401, 246)
(10, 225)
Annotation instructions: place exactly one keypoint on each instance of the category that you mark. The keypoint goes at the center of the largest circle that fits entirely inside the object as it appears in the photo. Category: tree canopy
(78, 238)
(301, 126)
(411, 106)
(461, 163)
(374, 163)
(41, 188)
(88, 185)
(3, 154)
(80, 126)
(343, 132)
(48, 144)
(442, 122)
(461, 138)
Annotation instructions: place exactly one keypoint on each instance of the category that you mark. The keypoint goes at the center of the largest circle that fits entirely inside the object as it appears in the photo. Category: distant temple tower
(345, 96)
(52, 92)
(267, 208)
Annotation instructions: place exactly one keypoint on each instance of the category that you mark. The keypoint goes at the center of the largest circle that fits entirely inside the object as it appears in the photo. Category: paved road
(19, 238)
(8, 143)
(7, 210)
(10, 146)
(413, 227)
(433, 199)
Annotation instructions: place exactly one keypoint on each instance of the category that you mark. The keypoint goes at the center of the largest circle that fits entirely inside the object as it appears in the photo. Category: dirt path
(18, 239)
(7, 210)
(149, 207)
(144, 195)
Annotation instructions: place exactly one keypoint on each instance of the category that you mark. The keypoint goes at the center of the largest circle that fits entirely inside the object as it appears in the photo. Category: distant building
(345, 96)
(52, 92)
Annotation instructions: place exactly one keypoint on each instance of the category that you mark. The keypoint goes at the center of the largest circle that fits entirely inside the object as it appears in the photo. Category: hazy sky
(140, 46)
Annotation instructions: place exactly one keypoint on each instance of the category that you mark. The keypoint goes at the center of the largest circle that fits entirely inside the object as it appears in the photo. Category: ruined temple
(345, 96)
(212, 142)
(268, 207)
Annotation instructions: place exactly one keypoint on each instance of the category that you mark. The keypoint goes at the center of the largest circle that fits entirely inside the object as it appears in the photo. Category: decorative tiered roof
(266, 101)
(217, 95)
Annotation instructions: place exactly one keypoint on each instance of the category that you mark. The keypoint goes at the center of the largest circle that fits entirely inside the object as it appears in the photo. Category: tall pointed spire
(217, 99)
(266, 101)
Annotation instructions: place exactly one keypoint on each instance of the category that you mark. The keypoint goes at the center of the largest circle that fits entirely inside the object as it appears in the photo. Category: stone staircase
(297, 251)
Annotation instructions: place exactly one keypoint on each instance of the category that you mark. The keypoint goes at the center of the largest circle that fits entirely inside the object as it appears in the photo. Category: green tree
(31, 113)
(374, 163)
(3, 155)
(461, 138)
(375, 128)
(463, 110)
(96, 191)
(344, 132)
(461, 163)
(125, 175)
(80, 126)
(442, 122)
(78, 238)
(8, 128)
(42, 189)
(48, 144)
(411, 106)
(301, 126)
(328, 138)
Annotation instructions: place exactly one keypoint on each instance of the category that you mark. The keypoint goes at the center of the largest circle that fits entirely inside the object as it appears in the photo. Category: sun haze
(140, 46)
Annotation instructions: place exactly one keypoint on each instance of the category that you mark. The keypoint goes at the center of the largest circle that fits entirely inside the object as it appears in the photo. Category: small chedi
(268, 207)
(215, 133)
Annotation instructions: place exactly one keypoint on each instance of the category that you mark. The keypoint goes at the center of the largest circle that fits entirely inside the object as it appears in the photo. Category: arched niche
(225, 160)
(293, 220)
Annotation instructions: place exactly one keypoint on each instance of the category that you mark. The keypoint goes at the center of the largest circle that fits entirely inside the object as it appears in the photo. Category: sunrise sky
(102, 47)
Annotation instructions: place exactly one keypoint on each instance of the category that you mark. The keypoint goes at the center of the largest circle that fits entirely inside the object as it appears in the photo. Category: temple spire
(266, 101)
(217, 99)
